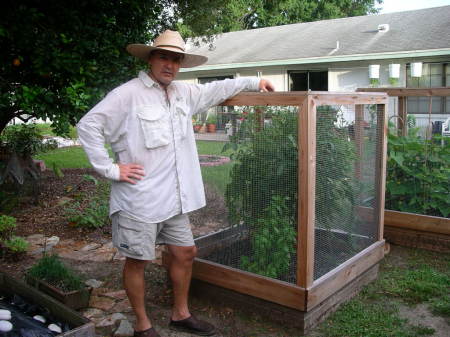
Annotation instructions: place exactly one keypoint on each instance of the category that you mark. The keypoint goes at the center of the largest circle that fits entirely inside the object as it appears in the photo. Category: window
(308, 80)
(222, 112)
(433, 75)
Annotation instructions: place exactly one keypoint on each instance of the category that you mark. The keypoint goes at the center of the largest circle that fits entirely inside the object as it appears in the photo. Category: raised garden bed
(79, 326)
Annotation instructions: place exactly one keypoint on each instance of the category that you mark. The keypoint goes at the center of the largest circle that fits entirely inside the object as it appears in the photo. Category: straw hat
(171, 41)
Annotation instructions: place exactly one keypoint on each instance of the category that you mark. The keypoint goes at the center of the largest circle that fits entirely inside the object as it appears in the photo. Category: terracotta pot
(212, 128)
(197, 128)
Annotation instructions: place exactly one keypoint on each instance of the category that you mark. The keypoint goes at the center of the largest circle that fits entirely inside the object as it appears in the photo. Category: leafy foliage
(7, 226)
(51, 269)
(250, 14)
(273, 241)
(22, 139)
(56, 70)
(96, 213)
(16, 244)
(265, 173)
(418, 174)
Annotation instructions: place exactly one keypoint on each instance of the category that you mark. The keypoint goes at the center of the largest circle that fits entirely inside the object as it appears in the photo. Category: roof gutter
(326, 59)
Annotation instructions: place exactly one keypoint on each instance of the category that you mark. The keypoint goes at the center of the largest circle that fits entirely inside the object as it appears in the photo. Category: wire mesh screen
(258, 193)
(418, 165)
(346, 178)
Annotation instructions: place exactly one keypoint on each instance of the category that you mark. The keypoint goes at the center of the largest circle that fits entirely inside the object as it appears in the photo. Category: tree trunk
(6, 115)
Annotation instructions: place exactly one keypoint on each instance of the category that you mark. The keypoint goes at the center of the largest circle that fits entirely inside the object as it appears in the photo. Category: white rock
(94, 283)
(5, 326)
(40, 318)
(54, 328)
(52, 241)
(5, 314)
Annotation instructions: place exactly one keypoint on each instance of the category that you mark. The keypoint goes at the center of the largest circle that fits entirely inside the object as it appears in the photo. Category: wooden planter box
(313, 287)
(76, 299)
(82, 327)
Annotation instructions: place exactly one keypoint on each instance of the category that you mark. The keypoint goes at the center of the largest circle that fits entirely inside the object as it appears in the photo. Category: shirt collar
(147, 80)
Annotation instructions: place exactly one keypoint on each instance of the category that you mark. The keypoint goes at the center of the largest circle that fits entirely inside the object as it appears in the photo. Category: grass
(218, 176)
(75, 157)
(423, 279)
(211, 147)
(65, 158)
(46, 130)
(359, 319)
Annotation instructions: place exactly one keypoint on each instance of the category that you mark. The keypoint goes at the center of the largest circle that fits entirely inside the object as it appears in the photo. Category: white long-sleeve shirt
(145, 128)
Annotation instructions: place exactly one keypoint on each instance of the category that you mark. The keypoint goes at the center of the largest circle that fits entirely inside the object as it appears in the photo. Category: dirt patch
(421, 315)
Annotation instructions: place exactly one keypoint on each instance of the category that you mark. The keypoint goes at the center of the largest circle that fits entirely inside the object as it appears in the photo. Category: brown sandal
(146, 333)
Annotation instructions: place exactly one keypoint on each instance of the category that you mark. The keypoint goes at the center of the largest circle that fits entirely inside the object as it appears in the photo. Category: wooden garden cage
(333, 166)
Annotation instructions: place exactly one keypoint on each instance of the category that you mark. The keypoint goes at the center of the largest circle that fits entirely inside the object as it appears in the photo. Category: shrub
(23, 139)
(96, 213)
(7, 226)
(418, 174)
(51, 270)
(16, 245)
(263, 190)
(273, 241)
(267, 165)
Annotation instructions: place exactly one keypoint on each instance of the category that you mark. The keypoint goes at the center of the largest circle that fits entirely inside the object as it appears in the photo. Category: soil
(48, 217)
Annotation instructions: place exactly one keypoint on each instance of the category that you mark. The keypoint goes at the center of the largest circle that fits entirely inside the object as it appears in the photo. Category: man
(156, 177)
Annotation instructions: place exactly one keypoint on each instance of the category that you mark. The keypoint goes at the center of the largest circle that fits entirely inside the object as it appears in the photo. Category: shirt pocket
(155, 126)
(130, 236)
(184, 119)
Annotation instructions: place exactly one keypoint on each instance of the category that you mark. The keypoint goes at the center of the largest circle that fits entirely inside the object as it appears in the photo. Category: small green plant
(7, 226)
(96, 213)
(393, 81)
(374, 82)
(16, 245)
(51, 270)
(273, 242)
(212, 119)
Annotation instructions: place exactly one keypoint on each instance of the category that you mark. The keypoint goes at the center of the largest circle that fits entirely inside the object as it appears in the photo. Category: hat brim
(142, 51)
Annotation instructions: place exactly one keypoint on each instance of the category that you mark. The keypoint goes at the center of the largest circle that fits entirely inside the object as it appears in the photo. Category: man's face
(164, 66)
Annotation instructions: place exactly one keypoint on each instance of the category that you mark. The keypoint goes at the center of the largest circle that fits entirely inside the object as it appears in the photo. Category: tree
(250, 14)
(59, 57)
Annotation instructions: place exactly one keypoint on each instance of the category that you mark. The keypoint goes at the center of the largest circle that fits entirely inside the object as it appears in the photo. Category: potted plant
(54, 278)
(197, 125)
(211, 123)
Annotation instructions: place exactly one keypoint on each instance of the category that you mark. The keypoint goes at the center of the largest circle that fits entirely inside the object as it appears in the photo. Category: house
(340, 55)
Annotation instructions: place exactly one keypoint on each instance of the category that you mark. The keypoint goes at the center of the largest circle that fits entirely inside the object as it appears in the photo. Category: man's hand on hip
(131, 172)
(265, 86)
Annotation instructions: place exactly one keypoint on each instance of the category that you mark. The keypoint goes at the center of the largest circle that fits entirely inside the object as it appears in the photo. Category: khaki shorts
(137, 239)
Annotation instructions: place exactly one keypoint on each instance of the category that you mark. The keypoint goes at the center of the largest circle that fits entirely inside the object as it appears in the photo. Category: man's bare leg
(134, 284)
(180, 274)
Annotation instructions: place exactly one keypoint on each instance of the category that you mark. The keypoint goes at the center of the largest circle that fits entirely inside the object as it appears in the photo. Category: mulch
(48, 216)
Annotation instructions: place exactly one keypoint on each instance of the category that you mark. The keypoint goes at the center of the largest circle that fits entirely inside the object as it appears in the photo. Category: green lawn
(75, 157)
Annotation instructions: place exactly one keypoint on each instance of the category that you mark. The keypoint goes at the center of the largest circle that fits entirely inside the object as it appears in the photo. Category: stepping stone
(90, 246)
(91, 313)
(102, 303)
(125, 329)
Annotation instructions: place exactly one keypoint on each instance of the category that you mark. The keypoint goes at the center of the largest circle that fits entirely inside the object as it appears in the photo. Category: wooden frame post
(359, 139)
(402, 114)
(306, 192)
(380, 171)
